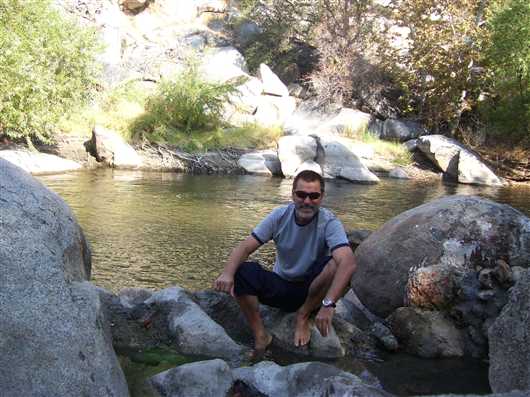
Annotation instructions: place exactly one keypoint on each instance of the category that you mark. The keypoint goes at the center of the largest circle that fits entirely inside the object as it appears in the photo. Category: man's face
(305, 199)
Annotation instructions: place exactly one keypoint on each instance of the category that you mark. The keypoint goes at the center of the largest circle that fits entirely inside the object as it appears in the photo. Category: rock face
(509, 341)
(110, 148)
(39, 163)
(52, 336)
(456, 161)
(457, 255)
(294, 150)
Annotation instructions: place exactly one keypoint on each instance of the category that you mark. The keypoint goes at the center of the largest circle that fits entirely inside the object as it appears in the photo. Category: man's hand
(224, 283)
(323, 320)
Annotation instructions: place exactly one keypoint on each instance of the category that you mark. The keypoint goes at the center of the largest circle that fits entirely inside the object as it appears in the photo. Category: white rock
(110, 148)
(293, 150)
(311, 166)
(222, 64)
(273, 110)
(272, 84)
(265, 162)
(339, 161)
(39, 163)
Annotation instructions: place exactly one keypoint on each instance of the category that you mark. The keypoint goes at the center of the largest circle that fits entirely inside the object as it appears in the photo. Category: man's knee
(246, 279)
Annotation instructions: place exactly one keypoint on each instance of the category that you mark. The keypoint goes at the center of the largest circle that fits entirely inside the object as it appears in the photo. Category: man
(313, 267)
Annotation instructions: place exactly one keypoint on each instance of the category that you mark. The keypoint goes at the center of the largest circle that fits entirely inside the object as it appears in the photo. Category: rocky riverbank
(462, 285)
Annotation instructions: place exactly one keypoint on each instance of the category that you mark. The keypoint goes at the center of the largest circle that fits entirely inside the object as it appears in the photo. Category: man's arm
(225, 282)
(346, 266)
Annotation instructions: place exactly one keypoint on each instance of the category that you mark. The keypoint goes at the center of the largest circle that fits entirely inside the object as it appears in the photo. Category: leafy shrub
(188, 103)
(508, 59)
(47, 67)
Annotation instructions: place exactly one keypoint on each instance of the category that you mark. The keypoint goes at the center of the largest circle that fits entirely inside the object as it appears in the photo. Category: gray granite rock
(305, 379)
(199, 379)
(509, 341)
(52, 334)
(111, 149)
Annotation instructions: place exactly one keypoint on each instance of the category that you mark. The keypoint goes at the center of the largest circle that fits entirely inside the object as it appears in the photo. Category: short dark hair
(309, 176)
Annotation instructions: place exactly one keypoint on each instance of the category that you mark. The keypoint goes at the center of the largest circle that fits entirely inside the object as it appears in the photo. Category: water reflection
(153, 230)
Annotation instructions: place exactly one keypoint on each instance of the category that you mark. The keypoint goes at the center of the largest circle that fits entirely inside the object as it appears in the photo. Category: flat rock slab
(39, 163)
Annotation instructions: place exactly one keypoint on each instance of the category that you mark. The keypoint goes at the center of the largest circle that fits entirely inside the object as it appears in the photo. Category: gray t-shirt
(298, 247)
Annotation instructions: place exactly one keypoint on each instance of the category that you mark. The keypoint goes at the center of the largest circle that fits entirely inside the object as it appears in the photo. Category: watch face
(328, 303)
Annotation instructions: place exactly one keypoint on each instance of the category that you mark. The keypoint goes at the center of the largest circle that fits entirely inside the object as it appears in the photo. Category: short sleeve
(265, 229)
(335, 235)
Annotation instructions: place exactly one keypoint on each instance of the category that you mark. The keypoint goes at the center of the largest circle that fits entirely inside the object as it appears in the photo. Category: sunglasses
(302, 195)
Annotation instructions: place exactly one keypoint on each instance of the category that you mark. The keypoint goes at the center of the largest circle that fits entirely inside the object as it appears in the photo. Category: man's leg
(317, 291)
(250, 307)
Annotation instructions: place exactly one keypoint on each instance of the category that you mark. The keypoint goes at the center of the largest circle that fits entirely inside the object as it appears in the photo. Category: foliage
(283, 24)
(249, 136)
(508, 59)
(445, 43)
(47, 67)
(115, 109)
(351, 43)
(395, 151)
(187, 103)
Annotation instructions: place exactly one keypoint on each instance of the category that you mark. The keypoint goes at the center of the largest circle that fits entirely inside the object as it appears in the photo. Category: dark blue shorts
(272, 290)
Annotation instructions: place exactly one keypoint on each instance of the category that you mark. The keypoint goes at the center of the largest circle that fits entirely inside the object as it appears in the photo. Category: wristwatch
(328, 303)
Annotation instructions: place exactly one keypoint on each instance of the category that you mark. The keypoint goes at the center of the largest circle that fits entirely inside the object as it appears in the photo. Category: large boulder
(457, 255)
(111, 149)
(456, 161)
(338, 159)
(509, 341)
(52, 330)
(39, 163)
(293, 150)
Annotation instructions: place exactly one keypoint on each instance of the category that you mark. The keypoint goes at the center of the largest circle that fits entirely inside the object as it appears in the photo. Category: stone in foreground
(509, 341)
(52, 339)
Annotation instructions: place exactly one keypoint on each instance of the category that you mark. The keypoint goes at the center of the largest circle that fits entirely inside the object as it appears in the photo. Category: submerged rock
(52, 339)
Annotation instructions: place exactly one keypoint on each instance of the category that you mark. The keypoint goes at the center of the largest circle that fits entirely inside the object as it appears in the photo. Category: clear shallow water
(152, 230)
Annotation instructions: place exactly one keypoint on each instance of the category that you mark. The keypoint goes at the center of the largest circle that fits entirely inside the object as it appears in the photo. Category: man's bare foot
(261, 345)
(302, 332)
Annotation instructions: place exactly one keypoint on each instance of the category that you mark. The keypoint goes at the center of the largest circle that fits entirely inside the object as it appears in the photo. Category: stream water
(153, 230)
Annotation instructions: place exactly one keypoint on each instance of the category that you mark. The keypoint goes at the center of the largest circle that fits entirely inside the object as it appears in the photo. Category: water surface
(153, 230)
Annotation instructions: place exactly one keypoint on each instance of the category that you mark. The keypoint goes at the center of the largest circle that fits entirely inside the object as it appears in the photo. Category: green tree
(508, 59)
(47, 67)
